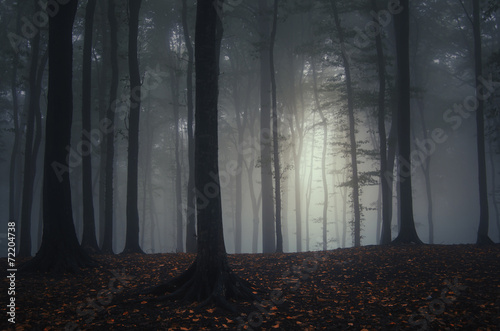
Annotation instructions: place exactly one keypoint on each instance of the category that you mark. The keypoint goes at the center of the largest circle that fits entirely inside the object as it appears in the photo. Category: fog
(443, 129)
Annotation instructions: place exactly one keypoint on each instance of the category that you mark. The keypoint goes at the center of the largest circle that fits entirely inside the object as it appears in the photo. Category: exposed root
(193, 286)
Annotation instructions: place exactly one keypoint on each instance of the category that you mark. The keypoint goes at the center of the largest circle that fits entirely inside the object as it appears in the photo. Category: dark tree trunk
(386, 192)
(29, 163)
(407, 232)
(209, 279)
(60, 250)
(324, 123)
(276, 152)
(14, 173)
(132, 237)
(482, 232)
(352, 132)
(89, 241)
(107, 244)
(174, 86)
(190, 212)
(268, 226)
(103, 66)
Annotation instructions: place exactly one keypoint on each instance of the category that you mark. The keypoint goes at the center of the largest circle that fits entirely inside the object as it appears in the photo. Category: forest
(237, 164)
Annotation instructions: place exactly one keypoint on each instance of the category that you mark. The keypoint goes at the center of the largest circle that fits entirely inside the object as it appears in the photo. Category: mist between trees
(320, 117)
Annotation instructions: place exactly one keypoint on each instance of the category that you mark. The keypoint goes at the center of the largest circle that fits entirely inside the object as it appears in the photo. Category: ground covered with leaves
(429, 287)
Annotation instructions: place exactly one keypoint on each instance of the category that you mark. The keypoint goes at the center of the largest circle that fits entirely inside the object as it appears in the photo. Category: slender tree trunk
(407, 232)
(482, 232)
(14, 173)
(29, 163)
(107, 245)
(309, 183)
(190, 213)
(323, 154)
(60, 250)
(89, 242)
(268, 225)
(132, 236)
(352, 129)
(178, 174)
(494, 187)
(276, 152)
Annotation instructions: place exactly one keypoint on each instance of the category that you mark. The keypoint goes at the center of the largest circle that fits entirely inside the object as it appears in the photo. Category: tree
(190, 213)
(209, 279)
(482, 232)
(107, 244)
(60, 250)
(132, 238)
(29, 162)
(276, 152)
(89, 241)
(407, 232)
(268, 226)
(352, 132)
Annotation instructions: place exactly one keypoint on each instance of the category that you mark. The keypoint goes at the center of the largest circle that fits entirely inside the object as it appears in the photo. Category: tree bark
(89, 241)
(60, 250)
(107, 245)
(482, 232)
(268, 226)
(132, 236)
(407, 233)
(276, 152)
(190, 212)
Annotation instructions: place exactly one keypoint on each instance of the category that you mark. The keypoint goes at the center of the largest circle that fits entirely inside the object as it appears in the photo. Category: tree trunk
(14, 173)
(132, 236)
(190, 213)
(323, 154)
(89, 241)
(107, 245)
(209, 279)
(482, 232)
(268, 226)
(352, 132)
(29, 163)
(276, 152)
(60, 250)
(407, 232)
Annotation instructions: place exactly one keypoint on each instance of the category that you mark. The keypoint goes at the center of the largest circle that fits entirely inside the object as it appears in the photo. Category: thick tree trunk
(268, 226)
(352, 129)
(209, 279)
(107, 245)
(407, 232)
(482, 232)
(132, 236)
(190, 213)
(89, 241)
(60, 250)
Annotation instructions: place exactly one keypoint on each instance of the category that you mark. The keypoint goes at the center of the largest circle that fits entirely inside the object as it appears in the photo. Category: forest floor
(429, 287)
